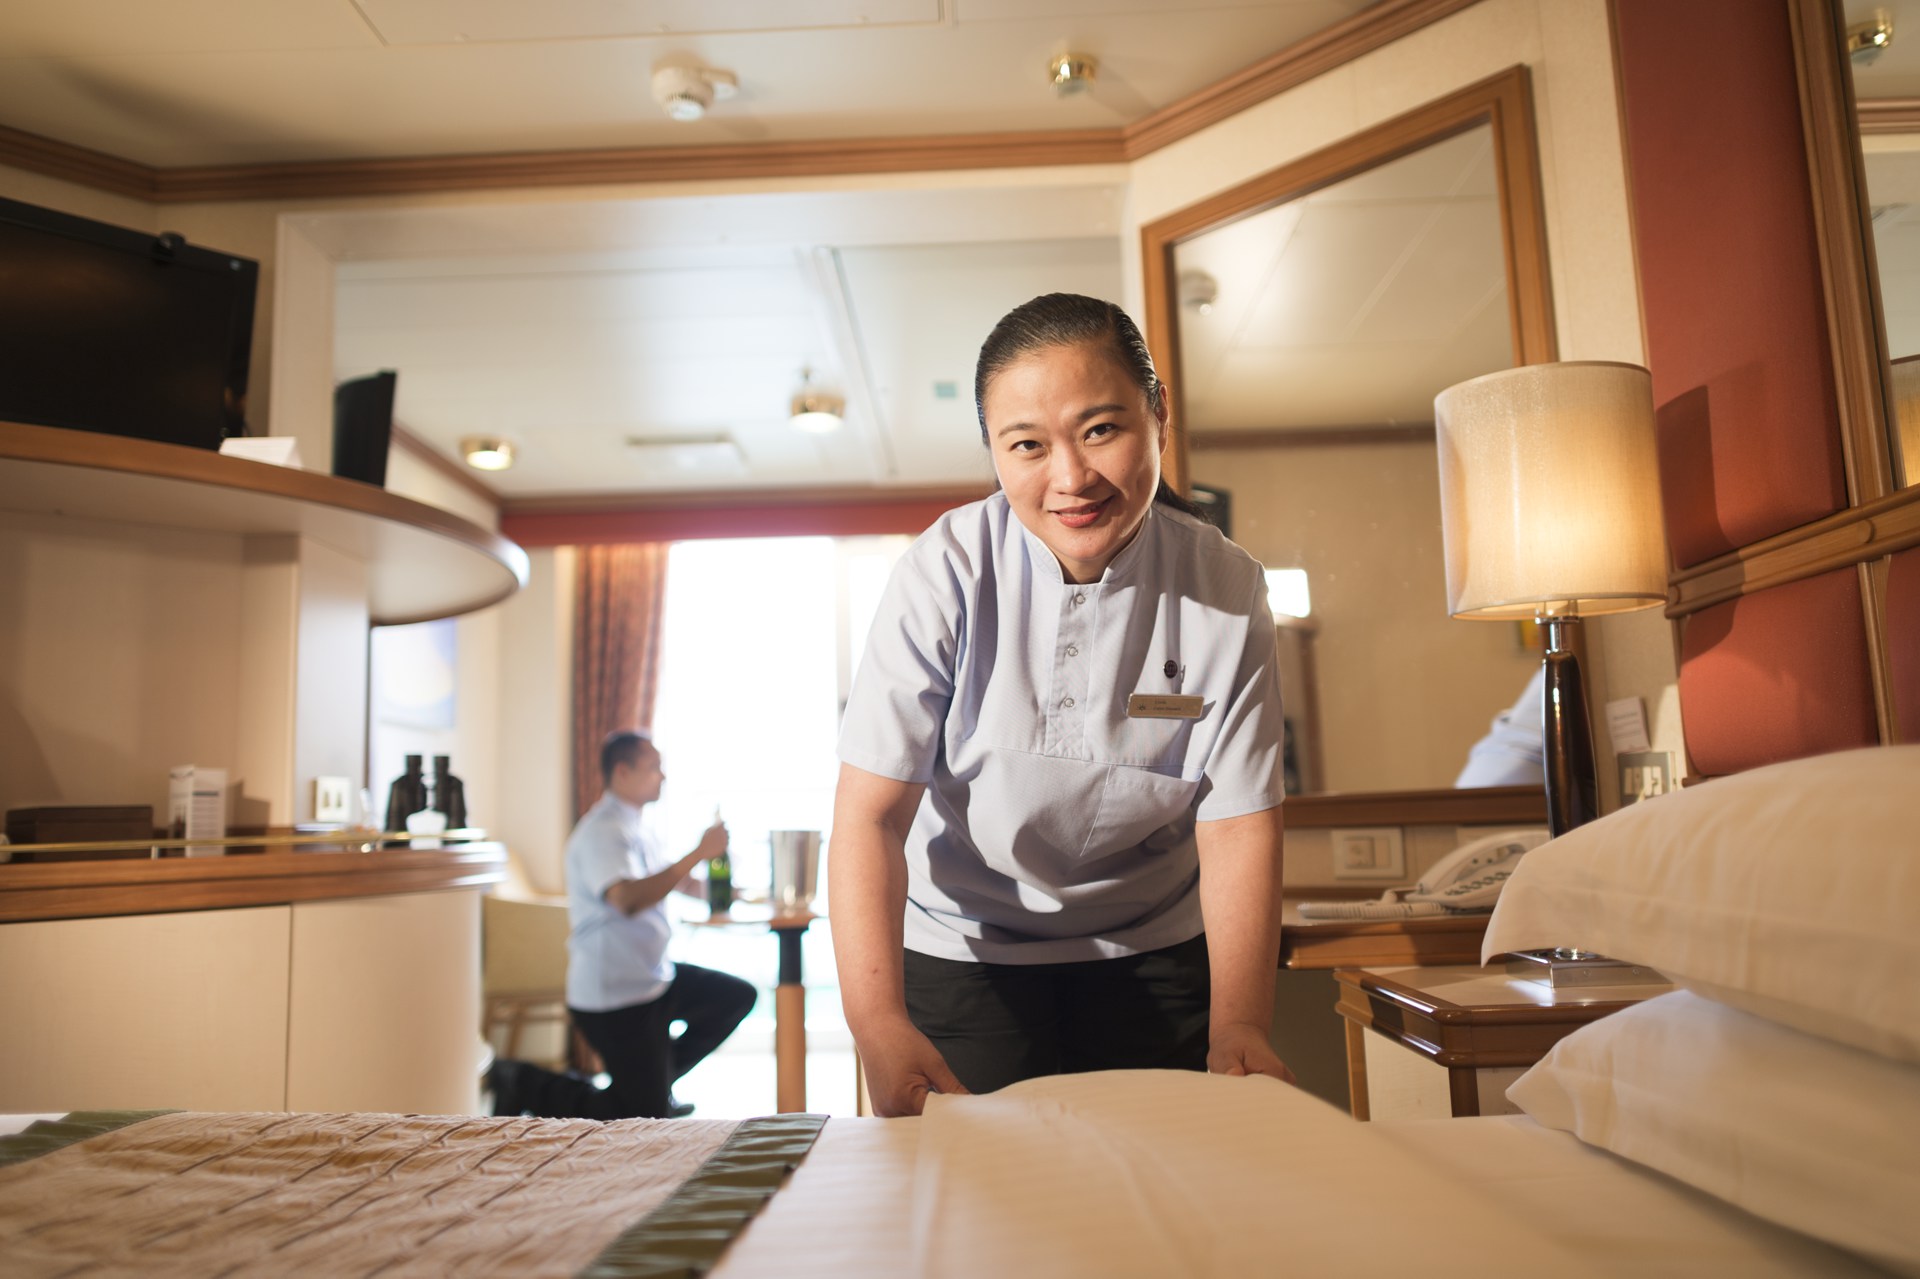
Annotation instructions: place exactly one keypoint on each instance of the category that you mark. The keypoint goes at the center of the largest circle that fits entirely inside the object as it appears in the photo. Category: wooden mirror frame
(1504, 101)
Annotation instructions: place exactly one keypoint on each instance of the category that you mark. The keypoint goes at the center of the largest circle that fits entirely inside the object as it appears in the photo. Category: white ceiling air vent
(703, 454)
(685, 92)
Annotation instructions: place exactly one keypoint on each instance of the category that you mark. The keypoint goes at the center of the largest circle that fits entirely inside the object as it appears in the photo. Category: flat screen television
(123, 332)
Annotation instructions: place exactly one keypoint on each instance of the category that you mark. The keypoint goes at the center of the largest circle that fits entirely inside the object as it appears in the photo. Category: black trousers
(997, 1024)
(641, 1055)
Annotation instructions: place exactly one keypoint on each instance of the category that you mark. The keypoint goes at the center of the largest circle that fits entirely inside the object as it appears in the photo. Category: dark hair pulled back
(1072, 319)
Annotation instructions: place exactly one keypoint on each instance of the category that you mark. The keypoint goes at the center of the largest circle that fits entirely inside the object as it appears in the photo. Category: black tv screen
(108, 329)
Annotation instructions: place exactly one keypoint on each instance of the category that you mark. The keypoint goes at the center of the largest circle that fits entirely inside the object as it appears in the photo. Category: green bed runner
(44, 1136)
(686, 1235)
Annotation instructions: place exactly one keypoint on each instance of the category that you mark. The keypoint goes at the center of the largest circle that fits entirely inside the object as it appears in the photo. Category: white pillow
(1809, 1134)
(1791, 891)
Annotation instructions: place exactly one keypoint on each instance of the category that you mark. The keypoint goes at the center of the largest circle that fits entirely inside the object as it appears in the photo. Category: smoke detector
(1197, 291)
(685, 92)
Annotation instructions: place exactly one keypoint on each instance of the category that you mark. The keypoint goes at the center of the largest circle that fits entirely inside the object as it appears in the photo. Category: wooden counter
(1378, 943)
(150, 886)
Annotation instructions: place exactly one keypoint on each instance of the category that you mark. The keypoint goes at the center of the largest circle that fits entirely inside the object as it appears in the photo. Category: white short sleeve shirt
(1055, 825)
(613, 960)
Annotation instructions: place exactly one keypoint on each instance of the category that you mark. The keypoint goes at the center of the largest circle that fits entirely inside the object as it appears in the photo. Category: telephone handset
(1467, 879)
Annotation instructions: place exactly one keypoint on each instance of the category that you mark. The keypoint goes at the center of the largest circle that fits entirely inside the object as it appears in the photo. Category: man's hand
(902, 1067)
(1237, 1048)
(713, 842)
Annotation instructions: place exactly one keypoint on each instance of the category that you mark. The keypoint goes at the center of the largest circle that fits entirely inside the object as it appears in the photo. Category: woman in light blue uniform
(1057, 834)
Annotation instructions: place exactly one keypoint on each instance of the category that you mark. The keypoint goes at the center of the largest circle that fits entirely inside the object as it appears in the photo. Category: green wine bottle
(719, 884)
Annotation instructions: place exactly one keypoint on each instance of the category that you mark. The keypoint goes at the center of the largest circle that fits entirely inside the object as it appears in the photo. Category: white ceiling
(1355, 305)
(194, 82)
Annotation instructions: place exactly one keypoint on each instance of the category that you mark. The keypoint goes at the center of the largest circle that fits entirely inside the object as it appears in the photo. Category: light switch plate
(1644, 774)
(332, 799)
(1376, 852)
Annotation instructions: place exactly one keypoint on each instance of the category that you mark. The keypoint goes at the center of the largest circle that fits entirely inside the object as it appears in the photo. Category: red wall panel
(1779, 674)
(1903, 641)
(1729, 271)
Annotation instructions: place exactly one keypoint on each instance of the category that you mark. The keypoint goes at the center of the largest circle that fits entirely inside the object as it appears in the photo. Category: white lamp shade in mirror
(1906, 416)
(1549, 492)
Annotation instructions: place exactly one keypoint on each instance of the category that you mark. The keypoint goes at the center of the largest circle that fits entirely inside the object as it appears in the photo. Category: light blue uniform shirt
(1055, 827)
(613, 960)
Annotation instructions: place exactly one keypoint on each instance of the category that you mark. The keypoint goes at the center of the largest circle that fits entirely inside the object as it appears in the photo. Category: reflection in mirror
(1312, 337)
(1892, 164)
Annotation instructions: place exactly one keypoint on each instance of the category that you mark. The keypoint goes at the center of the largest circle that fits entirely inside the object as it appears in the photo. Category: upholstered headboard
(1794, 587)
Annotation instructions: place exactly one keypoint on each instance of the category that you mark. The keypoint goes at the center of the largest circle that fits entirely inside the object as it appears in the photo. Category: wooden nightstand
(1428, 1043)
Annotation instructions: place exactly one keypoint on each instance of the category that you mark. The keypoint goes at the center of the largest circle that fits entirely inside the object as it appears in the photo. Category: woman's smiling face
(1077, 450)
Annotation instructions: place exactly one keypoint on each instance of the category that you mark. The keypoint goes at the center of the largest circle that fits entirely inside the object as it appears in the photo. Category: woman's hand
(902, 1066)
(1236, 1048)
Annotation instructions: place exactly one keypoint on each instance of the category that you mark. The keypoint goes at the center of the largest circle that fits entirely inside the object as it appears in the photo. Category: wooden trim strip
(434, 459)
(1371, 28)
(1310, 437)
(1856, 340)
(1889, 115)
(36, 154)
(1853, 536)
(1472, 806)
(678, 518)
(330, 179)
(89, 889)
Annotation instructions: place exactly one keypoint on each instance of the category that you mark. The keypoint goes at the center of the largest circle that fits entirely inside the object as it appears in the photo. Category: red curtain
(619, 596)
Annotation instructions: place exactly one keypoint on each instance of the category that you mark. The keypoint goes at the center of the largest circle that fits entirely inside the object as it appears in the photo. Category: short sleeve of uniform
(898, 705)
(601, 857)
(1244, 773)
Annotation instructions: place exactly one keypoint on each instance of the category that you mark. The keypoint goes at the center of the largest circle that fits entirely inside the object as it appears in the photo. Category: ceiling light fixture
(1071, 73)
(815, 411)
(685, 92)
(1198, 291)
(487, 452)
(1869, 39)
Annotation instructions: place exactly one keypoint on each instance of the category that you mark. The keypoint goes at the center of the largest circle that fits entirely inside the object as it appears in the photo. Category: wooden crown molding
(1890, 115)
(595, 519)
(1359, 34)
(1281, 437)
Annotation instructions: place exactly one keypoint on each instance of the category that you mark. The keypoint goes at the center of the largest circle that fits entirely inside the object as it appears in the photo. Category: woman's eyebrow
(1096, 411)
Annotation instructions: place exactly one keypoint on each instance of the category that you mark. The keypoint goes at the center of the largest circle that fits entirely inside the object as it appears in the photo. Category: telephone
(1467, 879)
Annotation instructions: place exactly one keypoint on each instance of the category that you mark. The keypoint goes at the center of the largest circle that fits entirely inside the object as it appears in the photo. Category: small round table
(789, 996)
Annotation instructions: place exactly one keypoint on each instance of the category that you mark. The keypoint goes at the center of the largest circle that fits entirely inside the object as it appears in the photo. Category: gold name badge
(1163, 706)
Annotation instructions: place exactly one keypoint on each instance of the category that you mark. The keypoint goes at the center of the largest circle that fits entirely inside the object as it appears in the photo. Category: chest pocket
(1164, 745)
(1141, 809)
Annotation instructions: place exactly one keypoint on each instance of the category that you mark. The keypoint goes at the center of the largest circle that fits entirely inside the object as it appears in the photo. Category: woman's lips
(1080, 516)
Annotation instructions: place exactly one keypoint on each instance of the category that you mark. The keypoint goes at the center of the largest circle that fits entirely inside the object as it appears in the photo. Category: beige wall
(1404, 690)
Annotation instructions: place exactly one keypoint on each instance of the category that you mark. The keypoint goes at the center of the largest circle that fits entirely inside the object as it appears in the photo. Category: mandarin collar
(1118, 569)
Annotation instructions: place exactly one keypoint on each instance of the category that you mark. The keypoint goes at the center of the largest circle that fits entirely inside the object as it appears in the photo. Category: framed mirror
(1305, 320)
(1883, 56)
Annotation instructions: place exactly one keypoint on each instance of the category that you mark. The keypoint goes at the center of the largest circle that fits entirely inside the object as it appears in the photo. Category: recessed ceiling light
(813, 410)
(487, 452)
(1867, 40)
(1070, 73)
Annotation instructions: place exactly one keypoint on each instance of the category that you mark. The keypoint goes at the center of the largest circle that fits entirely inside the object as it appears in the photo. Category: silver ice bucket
(796, 867)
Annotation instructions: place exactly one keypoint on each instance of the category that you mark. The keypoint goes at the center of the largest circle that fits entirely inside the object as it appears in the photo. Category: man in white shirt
(623, 992)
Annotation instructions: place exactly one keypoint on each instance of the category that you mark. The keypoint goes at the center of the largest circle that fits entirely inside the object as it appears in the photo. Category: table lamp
(1550, 507)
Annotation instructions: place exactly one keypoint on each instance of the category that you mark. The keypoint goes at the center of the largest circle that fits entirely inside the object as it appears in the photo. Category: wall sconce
(815, 411)
(1550, 506)
(487, 452)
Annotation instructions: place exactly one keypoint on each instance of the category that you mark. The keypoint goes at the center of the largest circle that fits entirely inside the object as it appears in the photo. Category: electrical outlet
(1644, 774)
(332, 799)
(1374, 853)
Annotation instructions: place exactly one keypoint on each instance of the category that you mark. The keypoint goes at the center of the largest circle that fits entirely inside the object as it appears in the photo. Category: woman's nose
(1070, 470)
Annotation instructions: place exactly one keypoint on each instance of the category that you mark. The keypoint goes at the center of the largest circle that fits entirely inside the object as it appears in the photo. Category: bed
(1757, 1121)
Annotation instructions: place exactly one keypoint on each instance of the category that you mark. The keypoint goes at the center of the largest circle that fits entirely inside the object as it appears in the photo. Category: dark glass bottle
(449, 794)
(408, 795)
(719, 884)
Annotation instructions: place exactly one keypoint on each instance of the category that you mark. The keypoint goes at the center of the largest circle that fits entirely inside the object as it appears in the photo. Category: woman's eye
(1023, 446)
(1099, 429)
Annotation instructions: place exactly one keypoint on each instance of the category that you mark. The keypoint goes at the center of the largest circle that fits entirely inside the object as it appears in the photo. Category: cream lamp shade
(1549, 492)
(1906, 416)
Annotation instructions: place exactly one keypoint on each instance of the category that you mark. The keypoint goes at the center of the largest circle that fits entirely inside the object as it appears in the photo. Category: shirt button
(1079, 598)
(1073, 650)
(1068, 702)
